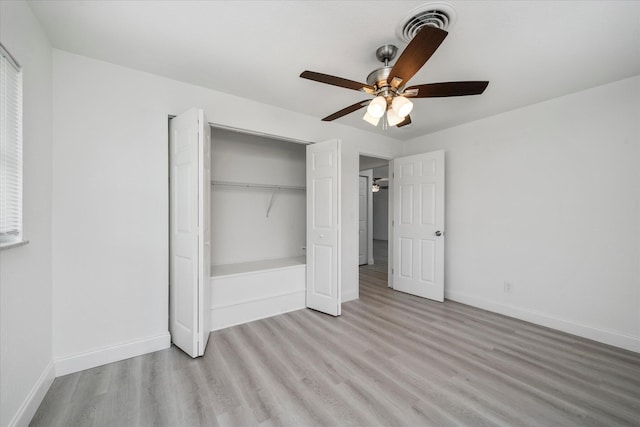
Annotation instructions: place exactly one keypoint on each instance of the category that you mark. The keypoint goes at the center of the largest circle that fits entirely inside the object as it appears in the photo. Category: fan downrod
(378, 78)
(386, 53)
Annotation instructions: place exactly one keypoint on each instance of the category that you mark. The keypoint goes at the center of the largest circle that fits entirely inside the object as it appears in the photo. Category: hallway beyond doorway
(380, 257)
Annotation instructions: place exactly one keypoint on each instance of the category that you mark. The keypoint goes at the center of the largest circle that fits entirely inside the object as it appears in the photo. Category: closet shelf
(245, 268)
(254, 185)
(274, 188)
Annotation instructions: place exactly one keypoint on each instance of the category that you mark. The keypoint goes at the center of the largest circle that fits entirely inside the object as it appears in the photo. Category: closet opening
(373, 207)
(258, 226)
(237, 227)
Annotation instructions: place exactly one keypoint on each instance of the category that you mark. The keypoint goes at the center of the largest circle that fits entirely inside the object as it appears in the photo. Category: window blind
(10, 148)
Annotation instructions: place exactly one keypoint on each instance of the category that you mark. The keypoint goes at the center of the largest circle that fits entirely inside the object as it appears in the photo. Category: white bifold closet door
(189, 231)
(323, 228)
(418, 225)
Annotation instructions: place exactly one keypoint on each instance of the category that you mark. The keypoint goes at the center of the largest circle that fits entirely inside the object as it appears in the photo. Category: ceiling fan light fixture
(401, 106)
(375, 188)
(377, 107)
(393, 118)
(426, 29)
(370, 119)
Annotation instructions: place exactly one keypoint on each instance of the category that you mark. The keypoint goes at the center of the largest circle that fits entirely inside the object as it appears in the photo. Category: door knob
(438, 233)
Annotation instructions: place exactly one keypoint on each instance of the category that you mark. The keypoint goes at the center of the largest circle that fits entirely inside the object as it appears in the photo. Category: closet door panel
(188, 267)
(323, 232)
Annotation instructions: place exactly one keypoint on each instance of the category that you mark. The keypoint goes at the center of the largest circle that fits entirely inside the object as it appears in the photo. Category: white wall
(240, 229)
(110, 198)
(381, 215)
(547, 197)
(25, 272)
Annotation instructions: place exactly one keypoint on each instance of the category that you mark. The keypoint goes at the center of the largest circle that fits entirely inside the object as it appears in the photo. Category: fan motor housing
(378, 76)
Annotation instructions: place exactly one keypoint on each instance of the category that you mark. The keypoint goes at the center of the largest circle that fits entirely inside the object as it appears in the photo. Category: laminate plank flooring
(391, 359)
(380, 256)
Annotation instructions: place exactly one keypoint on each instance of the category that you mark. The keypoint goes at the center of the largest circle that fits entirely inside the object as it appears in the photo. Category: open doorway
(374, 212)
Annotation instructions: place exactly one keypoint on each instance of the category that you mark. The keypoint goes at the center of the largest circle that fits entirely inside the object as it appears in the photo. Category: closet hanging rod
(253, 185)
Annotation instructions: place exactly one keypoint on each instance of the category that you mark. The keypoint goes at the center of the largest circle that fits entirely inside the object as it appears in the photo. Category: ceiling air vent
(440, 15)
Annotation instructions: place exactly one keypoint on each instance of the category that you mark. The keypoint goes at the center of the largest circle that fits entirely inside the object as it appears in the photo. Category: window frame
(11, 152)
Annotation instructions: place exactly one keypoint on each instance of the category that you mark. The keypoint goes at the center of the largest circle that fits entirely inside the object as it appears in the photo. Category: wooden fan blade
(416, 54)
(336, 81)
(347, 110)
(436, 90)
(406, 121)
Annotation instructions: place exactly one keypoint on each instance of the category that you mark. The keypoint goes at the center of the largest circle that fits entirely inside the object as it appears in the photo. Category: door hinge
(392, 271)
(393, 223)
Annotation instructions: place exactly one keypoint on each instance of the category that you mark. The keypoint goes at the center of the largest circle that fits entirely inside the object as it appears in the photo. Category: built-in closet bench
(254, 290)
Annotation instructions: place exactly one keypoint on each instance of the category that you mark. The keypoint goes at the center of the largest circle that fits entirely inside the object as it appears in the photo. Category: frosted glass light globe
(402, 106)
(377, 107)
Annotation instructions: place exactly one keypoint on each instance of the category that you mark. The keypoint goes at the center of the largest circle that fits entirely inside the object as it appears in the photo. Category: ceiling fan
(388, 84)
(375, 187)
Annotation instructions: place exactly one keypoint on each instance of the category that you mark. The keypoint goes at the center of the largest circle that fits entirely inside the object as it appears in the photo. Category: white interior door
(363, 226)
(189, 261)
(418, 225)
(323, 231)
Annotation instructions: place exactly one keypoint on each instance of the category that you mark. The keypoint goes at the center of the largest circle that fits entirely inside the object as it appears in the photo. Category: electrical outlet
(508, 287)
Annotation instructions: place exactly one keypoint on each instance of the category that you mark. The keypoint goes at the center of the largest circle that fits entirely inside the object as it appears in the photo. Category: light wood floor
(380, 257)
(391, 359)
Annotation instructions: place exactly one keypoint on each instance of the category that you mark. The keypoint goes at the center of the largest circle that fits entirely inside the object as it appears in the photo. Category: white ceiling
(530, 51)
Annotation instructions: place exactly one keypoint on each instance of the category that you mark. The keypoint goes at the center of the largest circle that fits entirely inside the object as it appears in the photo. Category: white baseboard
(91, 359)
(602, 335)
(31, 403)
